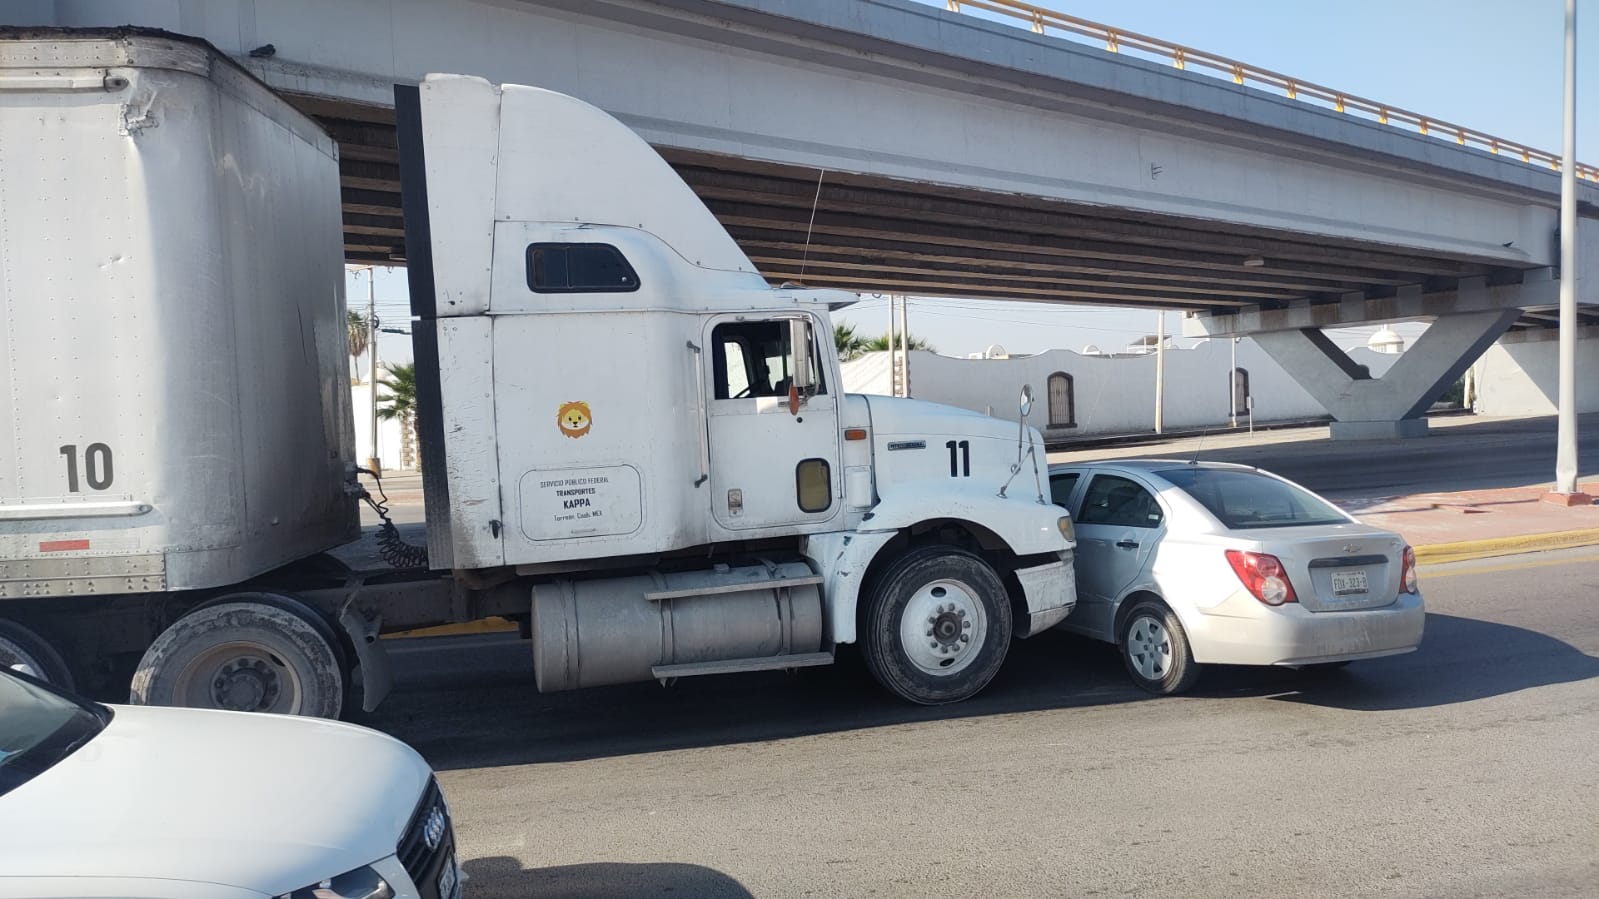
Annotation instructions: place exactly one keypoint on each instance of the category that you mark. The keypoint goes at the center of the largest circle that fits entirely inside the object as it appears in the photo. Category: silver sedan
(1186, 564)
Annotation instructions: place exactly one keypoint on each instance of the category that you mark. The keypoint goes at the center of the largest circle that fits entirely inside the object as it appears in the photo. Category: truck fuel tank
(658, 625)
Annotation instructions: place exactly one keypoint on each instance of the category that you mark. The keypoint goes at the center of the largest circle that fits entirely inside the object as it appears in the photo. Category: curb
(1439, 553)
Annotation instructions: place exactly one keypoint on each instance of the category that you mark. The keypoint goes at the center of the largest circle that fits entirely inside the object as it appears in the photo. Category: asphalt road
(1459, 453)
(1468, 768)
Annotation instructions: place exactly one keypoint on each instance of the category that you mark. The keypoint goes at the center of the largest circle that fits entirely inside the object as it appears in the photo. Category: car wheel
(245, 655)
(1155, 649)
(26, 651)
(937, 625)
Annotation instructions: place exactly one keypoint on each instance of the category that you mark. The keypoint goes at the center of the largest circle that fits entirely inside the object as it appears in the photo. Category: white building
(1080, 395)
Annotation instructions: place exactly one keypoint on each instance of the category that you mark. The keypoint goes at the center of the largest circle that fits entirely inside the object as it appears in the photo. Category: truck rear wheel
(249, 654)
(23, 649)
(937, 625)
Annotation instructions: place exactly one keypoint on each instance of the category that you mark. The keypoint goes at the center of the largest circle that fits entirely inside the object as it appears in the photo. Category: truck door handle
(1126, 544)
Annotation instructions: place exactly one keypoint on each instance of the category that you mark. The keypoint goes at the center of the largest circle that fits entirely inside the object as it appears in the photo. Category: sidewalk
(1473, 524)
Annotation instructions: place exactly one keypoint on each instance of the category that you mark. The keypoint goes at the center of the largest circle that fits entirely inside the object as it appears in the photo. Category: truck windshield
(1248, 499)
(39, 727)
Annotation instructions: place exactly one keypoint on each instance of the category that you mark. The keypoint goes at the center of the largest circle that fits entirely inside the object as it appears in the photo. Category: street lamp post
(373, 462)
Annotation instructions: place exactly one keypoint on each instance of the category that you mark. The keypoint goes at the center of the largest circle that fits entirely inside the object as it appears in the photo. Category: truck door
(773, 450)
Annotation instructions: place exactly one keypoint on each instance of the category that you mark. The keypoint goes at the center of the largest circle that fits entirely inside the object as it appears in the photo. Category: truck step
(734, 666)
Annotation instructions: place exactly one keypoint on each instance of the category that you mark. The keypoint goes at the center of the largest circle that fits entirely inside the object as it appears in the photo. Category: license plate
(450, 880)
(1345, 583)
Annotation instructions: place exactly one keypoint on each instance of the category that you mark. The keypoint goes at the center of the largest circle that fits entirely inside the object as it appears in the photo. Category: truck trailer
(632, 445)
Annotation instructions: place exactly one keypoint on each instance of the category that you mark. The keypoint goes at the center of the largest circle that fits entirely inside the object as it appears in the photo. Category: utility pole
(373, 462)
(1566, 492)
(1160, 372)
(893, 347)
(905, 346)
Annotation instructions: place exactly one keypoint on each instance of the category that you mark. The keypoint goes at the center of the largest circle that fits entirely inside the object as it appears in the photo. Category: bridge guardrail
(1118, 40)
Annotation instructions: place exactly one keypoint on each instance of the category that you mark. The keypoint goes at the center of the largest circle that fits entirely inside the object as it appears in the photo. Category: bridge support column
(1367, 408)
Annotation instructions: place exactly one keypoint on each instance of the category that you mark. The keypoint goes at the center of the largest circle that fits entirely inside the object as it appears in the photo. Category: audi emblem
(433, 831)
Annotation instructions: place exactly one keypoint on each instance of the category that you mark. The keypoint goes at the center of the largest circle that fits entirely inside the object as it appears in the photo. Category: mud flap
(376, 677)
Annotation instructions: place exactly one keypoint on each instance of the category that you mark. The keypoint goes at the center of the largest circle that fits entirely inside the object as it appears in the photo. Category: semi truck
(632, 445)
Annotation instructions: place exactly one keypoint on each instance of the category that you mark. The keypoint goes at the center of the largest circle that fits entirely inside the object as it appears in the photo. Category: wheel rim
(943, 627)
(13, 655)
(1149, 647)
(240, 677)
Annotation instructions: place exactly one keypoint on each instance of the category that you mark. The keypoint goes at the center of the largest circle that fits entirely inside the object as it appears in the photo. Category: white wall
(1519, 374)
(1114, 394)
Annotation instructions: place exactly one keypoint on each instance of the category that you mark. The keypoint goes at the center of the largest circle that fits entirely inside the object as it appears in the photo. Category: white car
(156, 803)
(1185, 564)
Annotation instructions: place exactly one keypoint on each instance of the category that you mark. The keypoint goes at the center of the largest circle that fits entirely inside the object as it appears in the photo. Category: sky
(1492, 65)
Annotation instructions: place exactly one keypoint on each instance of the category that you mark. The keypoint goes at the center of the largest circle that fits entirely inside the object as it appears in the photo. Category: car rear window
(1248, 499)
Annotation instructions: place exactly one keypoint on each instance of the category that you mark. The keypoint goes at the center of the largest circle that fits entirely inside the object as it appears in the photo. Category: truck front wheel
(937, 625)
(245, 653)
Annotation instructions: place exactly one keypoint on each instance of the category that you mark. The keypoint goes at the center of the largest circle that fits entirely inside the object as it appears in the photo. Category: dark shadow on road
(501, 877)
(477, 706)
(1460, 660)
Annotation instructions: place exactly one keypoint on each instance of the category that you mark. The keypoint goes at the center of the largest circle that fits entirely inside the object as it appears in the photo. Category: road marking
(1515, 566)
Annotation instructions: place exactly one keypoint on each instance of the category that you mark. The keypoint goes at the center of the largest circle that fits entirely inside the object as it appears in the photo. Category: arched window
(1240, 391)
(1062, 402)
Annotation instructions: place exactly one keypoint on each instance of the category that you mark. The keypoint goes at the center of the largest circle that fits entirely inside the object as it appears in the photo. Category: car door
(1119, 521)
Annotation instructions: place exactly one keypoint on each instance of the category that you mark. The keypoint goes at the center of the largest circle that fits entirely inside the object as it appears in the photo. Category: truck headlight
(1065, 525)
(362, 883)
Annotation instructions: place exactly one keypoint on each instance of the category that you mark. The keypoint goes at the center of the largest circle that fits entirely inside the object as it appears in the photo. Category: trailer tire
(245, 653)
(21, 646)
(937, 625)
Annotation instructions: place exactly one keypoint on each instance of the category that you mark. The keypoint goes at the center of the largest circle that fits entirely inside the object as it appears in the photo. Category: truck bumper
(1051, 594)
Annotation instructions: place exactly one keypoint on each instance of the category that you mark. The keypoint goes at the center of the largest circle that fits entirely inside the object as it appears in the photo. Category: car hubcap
(1149, 646)
(943, 627)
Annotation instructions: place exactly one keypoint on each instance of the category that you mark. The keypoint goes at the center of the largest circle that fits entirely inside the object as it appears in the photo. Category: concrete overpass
(887, 146)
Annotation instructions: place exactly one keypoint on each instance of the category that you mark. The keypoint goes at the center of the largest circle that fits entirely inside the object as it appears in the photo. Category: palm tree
(850, 345)
(400, 403)
(881, 344)
(400, 382)
(357, 331)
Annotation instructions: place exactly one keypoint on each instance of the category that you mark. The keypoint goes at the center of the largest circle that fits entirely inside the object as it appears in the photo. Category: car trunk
(1338, 568)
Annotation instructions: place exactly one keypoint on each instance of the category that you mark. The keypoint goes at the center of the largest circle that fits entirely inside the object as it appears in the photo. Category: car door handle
(1126, 544)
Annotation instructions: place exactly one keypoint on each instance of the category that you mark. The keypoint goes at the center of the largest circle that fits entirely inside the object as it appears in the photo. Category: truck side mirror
(1027, 399)
(799, 341)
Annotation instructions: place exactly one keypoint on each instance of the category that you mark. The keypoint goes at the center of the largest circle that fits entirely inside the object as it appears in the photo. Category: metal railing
(1117, 40)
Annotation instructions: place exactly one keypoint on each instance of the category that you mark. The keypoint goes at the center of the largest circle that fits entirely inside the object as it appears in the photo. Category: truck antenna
(806, 256)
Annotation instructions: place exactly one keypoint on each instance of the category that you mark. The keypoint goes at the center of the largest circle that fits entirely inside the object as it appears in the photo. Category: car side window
(1117, 501)
(1061, 487)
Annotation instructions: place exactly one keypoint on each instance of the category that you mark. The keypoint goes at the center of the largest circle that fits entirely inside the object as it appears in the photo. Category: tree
(400, 403)
(850, 345)
(881, 344)
(356, 333)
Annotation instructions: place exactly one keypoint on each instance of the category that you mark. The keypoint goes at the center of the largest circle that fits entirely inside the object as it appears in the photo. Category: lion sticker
(574, 419)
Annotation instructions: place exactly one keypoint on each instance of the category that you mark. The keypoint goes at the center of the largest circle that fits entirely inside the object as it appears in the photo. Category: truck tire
(937, 625)
(21, 647)
(245, 653)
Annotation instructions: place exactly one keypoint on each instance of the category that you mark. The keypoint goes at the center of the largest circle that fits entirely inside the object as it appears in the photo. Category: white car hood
(268, 803)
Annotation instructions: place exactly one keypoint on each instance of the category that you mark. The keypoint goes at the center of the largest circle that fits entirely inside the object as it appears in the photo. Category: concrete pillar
(1367, 408)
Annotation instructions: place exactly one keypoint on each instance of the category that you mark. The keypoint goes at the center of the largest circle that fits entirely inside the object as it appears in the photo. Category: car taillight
(1407, 575)
(1263, 576)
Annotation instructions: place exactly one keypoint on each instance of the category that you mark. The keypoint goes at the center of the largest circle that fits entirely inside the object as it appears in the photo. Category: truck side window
(755, 359)
(578, 268)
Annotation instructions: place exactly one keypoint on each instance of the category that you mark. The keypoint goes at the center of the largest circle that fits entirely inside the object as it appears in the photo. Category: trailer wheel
(937, 625)
(247, 654)
(23, 649)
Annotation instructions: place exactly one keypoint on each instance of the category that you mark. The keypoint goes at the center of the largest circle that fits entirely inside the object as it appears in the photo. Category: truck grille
(424, 858)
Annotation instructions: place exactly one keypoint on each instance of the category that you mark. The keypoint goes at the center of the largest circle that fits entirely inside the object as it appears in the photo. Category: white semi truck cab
(631, 443)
